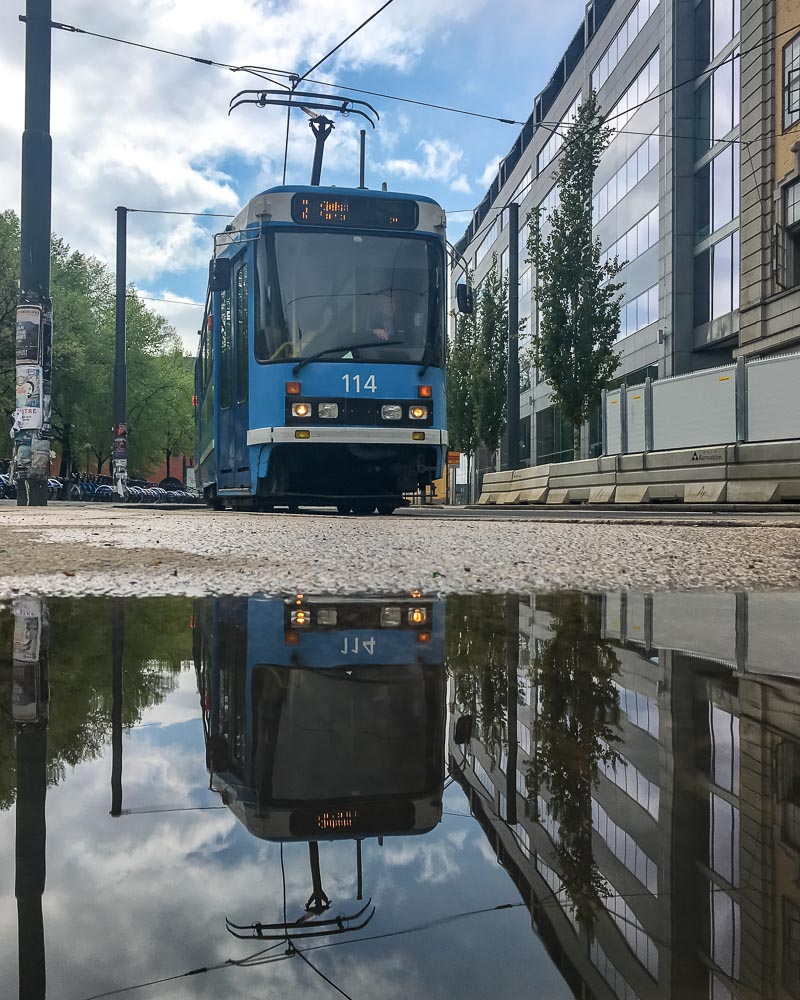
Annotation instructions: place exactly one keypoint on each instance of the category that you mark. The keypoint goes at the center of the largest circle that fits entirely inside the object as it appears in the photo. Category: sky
(150, 131)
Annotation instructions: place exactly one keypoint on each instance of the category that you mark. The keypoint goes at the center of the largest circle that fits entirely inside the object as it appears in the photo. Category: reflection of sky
(145, 896)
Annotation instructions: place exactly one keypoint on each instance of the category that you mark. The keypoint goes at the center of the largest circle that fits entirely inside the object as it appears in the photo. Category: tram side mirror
(463, 733)
(219, 274)
(465, 299)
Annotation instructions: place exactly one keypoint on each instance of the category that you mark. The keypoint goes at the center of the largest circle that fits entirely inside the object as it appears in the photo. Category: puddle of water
(484, 796)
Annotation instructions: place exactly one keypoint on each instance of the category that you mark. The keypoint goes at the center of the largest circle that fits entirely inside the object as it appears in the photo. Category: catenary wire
(330, 982)
(344, 41)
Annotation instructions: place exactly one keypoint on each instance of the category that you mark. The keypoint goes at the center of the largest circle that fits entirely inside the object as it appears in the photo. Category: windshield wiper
(343, 348)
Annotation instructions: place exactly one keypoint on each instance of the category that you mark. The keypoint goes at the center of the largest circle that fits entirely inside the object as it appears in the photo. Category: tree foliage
(575, 730)
(491, 357)
(578, 300)
(159, 377)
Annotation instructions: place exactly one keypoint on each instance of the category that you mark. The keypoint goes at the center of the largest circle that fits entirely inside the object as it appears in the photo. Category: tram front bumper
(347, 435)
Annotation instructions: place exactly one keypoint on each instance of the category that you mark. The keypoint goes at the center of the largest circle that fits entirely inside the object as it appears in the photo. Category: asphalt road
(74, 549)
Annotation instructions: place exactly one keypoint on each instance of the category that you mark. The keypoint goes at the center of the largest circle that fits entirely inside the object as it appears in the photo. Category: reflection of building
(324, 717)
(695, 831)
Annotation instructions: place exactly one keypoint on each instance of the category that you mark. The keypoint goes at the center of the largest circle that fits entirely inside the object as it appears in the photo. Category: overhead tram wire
(260, 71)
(343, 42)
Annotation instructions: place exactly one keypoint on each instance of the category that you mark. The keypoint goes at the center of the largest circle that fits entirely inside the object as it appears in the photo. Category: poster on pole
(28, 336)
(27, 630)
(28, 415)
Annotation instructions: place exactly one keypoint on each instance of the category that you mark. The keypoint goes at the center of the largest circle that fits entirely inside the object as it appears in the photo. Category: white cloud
(489, 172)
(439, 161)
(145, 130)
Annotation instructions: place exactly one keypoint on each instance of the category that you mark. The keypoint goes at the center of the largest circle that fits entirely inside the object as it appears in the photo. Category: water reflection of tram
(324, 718)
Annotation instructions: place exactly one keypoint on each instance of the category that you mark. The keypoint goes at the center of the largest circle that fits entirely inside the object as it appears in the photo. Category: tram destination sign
(354, 212)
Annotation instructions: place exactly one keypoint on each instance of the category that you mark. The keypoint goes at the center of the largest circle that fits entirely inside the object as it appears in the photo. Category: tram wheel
(363, 507)
(385, 509)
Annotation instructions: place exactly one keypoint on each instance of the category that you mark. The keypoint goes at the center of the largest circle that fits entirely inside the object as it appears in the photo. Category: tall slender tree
(491, 357)
(461, 416)
(578, 299)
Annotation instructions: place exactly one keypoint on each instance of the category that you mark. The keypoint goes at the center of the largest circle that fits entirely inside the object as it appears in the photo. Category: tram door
(232, 456)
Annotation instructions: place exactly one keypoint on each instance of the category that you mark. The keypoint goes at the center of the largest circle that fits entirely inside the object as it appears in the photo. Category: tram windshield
(362, 297)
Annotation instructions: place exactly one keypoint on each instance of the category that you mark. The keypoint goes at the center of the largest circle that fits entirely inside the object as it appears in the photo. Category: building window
(724, 732)
(717, 104)
(622, 41)
(636, 240)
(725, 276)
(638, 92)
(638, 164)
(787, 251)
(726, 932)
(717, 192)
(639, 312)
(791, 83)
(723, 839)
(550, 149)
(486, 243)
(554, 441)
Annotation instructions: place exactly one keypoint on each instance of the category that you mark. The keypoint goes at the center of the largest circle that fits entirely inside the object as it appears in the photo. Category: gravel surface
(75, 550)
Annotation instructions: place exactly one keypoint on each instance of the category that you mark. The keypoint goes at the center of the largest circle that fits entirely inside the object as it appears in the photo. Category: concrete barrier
(764, 472)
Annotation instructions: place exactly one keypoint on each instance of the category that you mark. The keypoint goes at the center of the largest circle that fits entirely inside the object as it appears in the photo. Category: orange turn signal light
(425, 391)
(292, 388)
(423, 637)
(291, 638)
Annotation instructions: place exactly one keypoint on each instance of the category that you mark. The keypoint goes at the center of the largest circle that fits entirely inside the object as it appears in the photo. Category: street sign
(454, 458)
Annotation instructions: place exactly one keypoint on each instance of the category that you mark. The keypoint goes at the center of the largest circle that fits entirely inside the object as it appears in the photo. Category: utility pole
(117, 690)
(30, 704)
(32, 428)
(120, 404)
(512, 390)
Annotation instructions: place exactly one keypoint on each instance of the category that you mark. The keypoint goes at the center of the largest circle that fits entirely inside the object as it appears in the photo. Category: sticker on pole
(28, 415)
(29, 331)
(454, 458)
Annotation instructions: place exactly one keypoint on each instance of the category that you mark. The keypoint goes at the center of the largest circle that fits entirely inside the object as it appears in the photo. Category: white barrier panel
(695, 410)
(701, 624)
(771, 642)
(613, 423)
(773, 400)
(635, 403)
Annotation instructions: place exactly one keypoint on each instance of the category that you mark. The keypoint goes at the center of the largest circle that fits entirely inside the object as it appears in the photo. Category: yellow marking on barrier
(636, 397)
(724, 378)
(613, 401)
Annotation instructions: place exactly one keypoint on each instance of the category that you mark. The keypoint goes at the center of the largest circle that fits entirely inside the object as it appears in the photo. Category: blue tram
(324, 717)
(320, 375)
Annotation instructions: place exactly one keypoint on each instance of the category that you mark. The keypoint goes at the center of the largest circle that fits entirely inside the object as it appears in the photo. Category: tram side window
(242, 357)
(207, 356)
(225, 349)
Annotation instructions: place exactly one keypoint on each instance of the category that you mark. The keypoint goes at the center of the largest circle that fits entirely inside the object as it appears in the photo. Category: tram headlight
(417, 616)
(390, 617)
(301, 618)
(391, 412)
(301, 409)
(327, 616)
(418, 412)
(328, 411)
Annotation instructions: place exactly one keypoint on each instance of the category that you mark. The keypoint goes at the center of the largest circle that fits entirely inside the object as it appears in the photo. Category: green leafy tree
(479, 645)
(461, 413)
(159, 392)
(578, 300)
(490, 373)
(574, 730)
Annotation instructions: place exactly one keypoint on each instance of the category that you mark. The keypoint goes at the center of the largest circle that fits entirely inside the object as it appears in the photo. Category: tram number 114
(369, 384)
(356, 645)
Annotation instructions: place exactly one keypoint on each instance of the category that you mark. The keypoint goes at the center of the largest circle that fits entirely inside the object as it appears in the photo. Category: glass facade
(622, 41)
(636, 95)
(641, 161)
(639, 238)
(556, 140)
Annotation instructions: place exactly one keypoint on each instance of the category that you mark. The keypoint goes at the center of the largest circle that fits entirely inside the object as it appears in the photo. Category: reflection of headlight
(328, 411)
(301, 618)
(327, 616)
(417, 616)
(301, 410)
(418, 412)
(390, 617)
(391, 412)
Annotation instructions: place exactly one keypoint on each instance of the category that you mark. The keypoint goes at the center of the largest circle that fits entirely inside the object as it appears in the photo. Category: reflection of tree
(480, 638)
(157, 641)
(578, 705)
